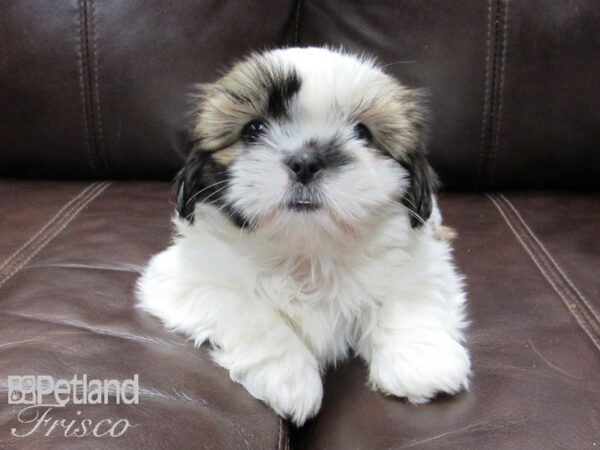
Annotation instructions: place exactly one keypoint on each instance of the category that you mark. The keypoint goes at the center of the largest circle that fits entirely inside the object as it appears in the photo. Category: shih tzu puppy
(307, 228)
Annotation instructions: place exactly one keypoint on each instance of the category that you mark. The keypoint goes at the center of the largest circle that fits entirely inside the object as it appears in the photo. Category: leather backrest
(97, 88)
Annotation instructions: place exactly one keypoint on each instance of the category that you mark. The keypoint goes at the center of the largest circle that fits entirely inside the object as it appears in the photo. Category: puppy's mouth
(303, 205)
(304, 199)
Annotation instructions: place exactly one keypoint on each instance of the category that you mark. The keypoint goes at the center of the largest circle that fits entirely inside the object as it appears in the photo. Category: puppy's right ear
(187, 186)
(198, 169)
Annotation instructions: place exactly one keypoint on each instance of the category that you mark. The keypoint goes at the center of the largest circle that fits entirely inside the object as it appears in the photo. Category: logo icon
(22, 390)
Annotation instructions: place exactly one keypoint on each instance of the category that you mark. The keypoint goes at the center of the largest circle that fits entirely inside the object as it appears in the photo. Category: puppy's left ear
(423, 185)
(414, 118)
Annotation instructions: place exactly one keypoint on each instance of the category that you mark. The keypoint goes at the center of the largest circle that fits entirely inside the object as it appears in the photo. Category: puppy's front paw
(291, 385)
(420, 370)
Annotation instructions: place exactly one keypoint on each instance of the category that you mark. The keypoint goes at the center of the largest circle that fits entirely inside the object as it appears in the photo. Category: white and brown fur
(285, 267)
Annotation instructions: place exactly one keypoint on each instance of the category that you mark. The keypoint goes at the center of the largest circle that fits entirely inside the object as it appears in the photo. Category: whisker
(408, 61)
(215, 192)
(410, 211)
(204, 203)
(202, 190)
(242, 229)
(408, 201)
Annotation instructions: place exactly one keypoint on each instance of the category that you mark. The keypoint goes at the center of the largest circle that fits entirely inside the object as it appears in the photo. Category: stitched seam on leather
(98, 114)
(555, 280)
(500, 98)
(579, 315)
(51, 234)
(554, 274)
(493, 94)
(81, 32)
(279, 435)
(91, 110)
(486, 94)
(581, 320)
(297, 28)
(546, 254)
(45, 227)
(572, 302)
(550, 270)
(283, 441)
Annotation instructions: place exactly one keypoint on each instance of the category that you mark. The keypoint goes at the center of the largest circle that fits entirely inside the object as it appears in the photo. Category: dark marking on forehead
(330, 153)
(282, 88)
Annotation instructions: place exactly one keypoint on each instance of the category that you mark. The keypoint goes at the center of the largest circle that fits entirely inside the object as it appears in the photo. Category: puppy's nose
(305, 166)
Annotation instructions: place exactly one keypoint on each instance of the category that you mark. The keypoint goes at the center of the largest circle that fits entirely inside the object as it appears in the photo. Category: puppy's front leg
(414, 348)
(250, 338)
(266, 356)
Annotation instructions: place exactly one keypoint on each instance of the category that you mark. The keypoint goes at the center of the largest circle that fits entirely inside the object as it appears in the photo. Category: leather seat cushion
(71, 252)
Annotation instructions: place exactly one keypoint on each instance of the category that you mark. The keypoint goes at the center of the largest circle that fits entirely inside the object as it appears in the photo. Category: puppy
(307, 228)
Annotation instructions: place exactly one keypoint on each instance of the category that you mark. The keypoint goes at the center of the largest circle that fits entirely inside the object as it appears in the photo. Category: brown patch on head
(395, 115)
(226, 155)
(260, 86)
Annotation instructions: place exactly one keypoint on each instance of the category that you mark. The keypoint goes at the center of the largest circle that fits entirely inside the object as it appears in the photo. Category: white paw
(291, 385)
(420, 370)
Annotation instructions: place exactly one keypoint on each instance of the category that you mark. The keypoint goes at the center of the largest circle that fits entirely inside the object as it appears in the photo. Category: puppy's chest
(325, 301)
(316, 283)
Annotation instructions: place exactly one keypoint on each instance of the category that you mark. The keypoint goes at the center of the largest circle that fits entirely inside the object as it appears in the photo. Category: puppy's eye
(362, 132)
(253, 130)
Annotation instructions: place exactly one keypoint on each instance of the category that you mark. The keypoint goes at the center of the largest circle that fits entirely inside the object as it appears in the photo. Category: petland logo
(43, 393)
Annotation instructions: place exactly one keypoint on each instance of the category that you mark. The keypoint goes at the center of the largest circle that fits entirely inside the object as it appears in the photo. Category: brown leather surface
(560, 233)
(546, 132)
(566, 228)
(97, 88)
(69, 309)
(535, 381)
(23, 212)
(42, 126)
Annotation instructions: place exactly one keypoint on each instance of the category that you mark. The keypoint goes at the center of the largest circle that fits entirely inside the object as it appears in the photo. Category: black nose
(305, 166)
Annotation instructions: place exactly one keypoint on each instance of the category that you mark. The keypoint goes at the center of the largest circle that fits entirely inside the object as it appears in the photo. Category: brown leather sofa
(92, 128)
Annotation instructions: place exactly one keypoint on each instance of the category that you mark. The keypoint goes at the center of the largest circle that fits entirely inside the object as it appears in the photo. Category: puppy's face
(307, 138)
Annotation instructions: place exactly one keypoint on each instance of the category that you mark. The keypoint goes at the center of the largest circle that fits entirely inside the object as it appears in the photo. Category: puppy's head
(307, 138)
